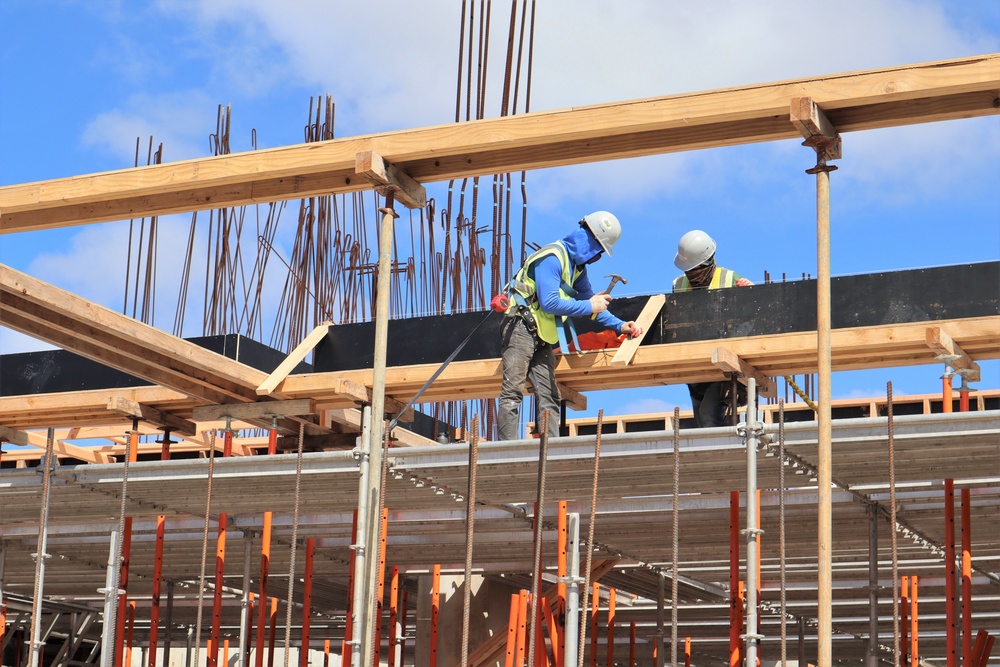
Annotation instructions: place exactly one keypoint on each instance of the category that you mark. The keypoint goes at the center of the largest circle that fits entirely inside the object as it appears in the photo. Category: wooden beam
(65, 449)
(360, 393)
(942, 344)
(388, 178)
(853, 101)
(572, 397)
(814, 126)
(129, 408)
(254, 411)
(730, 362)
(13, 436)
(623, 357)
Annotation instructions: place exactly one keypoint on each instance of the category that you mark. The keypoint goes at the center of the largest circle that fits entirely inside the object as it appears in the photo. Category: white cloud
(175, 120)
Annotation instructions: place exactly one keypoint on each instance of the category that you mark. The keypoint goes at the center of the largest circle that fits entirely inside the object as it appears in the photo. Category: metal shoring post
(751, 431)
(244, 599)
(43, 535)
(470, 520)
(110, 602)
(358, 614)
(824, 522)
(536, 569)
(373, 519)
(872, 659)
(573, 582)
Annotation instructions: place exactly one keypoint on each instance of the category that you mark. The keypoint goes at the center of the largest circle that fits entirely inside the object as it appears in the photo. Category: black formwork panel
(874, 299)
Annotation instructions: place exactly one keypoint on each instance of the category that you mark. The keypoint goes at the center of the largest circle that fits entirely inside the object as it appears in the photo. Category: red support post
(307, 587)
(273, 628)
(904, 622)
(687, 652)
(914, 622)
(154, 612)
(612, 603)
(967, 578)
(435, 611)
(393, 615)
(133, 454)
(379, 606)
(520, 643)
(552, 624)
(225, 652)
(735, 610)
(950, 601)
(326, 653)
(131, 632)
(541, 656)
(946, 394)
(512, 627)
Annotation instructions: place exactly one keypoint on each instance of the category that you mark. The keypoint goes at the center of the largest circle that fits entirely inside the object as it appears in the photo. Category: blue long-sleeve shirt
(581, 247)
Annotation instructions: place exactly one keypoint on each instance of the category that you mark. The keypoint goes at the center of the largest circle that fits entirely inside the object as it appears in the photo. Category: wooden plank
(126, 406)
(942, 344)
(65, 449)
(387, 177)
(360, 393)
(13, 436)
(813, 124)
(853, 101)
(623, 357)
(730, 362)
(254, 411)
(292, 360)
(572, 397)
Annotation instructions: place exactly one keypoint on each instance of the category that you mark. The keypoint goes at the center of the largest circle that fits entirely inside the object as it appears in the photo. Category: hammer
(615, 279)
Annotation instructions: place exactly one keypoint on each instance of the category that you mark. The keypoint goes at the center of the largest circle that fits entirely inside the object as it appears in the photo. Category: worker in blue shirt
(550, 288)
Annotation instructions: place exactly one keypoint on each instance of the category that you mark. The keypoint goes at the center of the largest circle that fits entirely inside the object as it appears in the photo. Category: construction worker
(547, 291)
(696, 258)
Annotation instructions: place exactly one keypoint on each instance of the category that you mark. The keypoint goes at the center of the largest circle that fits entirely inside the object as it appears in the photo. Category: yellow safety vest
(523, 286)
(721, 278)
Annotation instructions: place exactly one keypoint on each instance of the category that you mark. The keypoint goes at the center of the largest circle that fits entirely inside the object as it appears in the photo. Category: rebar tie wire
(892, 518)
(590, 541)
(295, 537)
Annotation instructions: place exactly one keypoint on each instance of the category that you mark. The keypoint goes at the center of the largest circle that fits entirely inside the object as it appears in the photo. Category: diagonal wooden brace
(623, 357)
(951, 353)
(293, 359)
(387, 178)
(730, 362)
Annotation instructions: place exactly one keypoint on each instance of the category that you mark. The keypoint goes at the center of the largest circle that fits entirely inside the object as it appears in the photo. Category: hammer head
(615, 279)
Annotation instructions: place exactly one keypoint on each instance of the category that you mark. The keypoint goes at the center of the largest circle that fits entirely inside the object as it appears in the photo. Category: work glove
(599, 303)
(631, 329)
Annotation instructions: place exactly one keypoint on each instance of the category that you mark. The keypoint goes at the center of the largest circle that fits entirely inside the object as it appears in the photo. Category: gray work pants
(525, 356)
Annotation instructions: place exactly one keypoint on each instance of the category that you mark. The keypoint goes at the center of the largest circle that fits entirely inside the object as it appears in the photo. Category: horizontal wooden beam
(129, 408)
(360, 393)
(725, 359)
(853, 101)
(254, 411)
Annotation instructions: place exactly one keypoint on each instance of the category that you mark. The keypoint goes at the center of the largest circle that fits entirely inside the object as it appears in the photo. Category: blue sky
(80, 81)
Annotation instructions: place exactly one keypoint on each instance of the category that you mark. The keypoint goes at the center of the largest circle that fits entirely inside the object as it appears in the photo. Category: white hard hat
(605, 228)
(694, 248)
